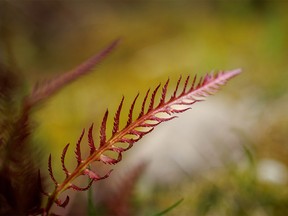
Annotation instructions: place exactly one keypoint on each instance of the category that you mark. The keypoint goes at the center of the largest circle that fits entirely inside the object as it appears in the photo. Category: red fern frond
(109, 160)
(143, 104)
(176, 89)
(130, 115)
(95, 177)
(64, 203)
(185, 85)
(51, 171)
(91, 140)
(78, 149)
(63, 160)
(164, 92)
(151, 105)
(135, 130)
(47, 88)
(76, 188)
(117, 118)
(103, 129)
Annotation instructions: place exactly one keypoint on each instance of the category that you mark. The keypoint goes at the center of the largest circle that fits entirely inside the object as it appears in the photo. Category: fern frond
(135, 130)
(91, 140)
(119, 197)
(103, 129)
(117, 118)
(51, 171)
(63, 160)
(143, 104)
(78, 149)
(130, 115)
(47, 88)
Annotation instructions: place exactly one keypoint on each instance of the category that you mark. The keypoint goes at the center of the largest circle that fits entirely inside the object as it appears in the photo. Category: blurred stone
(272, 171)
(206, 137)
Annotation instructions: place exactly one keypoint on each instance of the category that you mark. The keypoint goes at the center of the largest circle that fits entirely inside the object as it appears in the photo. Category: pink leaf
(78, 149)
(63, 160)
(108, 160)
(95, 177)
(143, 104)
(185, 85)
(176, 89)
(74, 187)
(153, 98)
(130, 115)
(193, 83)
(164, 91)
(117, 118)
(103, 129)
(63, 204)
(91, 140)
(51, 171)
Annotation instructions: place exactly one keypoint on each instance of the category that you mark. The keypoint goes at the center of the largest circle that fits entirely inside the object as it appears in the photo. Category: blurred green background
(160, 39)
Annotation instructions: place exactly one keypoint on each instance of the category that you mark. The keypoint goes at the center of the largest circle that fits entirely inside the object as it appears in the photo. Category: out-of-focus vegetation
(160, 39)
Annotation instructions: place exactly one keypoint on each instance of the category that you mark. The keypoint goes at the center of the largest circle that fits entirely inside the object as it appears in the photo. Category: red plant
(19, 162)
(18, 167)
(150, 115)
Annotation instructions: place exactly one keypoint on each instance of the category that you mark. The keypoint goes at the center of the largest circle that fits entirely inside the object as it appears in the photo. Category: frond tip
(148, 118)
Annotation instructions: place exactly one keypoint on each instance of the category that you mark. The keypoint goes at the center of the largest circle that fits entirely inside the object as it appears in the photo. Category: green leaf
(91, 210)
(169, 208)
